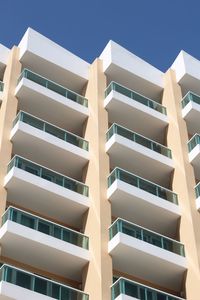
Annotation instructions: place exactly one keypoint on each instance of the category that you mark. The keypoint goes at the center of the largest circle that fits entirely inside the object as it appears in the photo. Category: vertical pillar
(183, 184)
(8, 112)
(98, 276)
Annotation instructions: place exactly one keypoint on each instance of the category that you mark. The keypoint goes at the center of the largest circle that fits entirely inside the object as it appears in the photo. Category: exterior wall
(183, 184)
(97, 277)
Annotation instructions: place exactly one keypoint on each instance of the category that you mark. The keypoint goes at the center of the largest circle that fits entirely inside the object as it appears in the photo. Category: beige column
(183, 184)
(8, 112)
(98, 275)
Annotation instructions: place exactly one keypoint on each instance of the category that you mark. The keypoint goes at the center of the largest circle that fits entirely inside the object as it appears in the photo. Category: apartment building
(99, 172)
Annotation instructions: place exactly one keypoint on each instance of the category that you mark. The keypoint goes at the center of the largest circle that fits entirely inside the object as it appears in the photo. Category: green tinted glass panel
(190, 97)
(139, 139)
(131, 290)
(56, 290)
(146, 236)
(23, 280)
(143, 184)
(197, 190)
(27, 221)
(195, 140)
(135, 96)
(40, 285)
(139, 291)
(51, 129)
(53, 86)
(57, 232)
(1, 86)
(49, 175)
(46, 227)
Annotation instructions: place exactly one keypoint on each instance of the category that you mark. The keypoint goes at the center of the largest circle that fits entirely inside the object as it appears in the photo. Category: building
(99, 169)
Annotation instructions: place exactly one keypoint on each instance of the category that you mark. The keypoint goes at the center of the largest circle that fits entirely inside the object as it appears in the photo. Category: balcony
(142, 154)
(150, 254)
(132, 197)
(194, 153)
(32, 137)
(187, 72)
(135, 109)
(66, 108)
(45, 191)
(22, 232)
(191, 111)
(1, 90)
(124, 289)
(19, 284)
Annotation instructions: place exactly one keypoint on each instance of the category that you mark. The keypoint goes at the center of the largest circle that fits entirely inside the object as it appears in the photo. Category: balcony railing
(42, 225)
(138, 291)
(197, 190)
(190, 97)
(113, 86)
(145, 235)
(51, 129)
(1, 86)
(142, 184)
(139, 139)
(195, 140)
(40, 284)
(53, 86)
(49, 175)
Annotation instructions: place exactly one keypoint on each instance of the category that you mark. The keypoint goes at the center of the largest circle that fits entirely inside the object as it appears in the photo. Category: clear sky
(155, 30)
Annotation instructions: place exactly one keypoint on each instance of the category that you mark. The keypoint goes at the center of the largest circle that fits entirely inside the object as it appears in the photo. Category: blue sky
(155, 30)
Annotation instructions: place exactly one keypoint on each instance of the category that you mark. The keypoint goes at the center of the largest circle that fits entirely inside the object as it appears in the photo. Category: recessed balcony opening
(144, 157)
(66, 109)
(191, 112)
(150, 254)
(143, 202)
(48, 145)
(27, 238)
(42, 190)
(136, 108)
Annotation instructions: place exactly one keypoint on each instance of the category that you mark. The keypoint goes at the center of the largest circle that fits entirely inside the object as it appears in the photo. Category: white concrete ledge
(126, 68)
(187, 70)
(155, 121)
(48, 58)
(62, 156)
(9, 291)
(139, 159)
